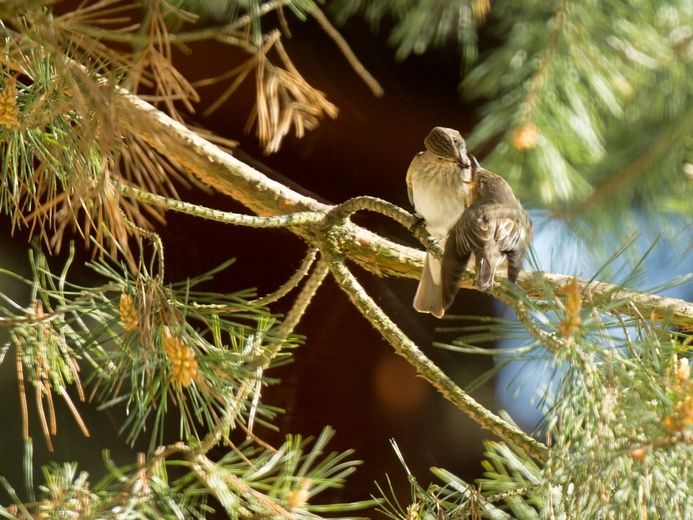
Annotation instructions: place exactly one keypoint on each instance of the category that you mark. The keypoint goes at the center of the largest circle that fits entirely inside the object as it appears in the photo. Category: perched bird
(437, 183)
(494, 227)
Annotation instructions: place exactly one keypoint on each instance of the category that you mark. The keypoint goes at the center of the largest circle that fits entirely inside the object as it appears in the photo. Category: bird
(437, 186)
(494, 227)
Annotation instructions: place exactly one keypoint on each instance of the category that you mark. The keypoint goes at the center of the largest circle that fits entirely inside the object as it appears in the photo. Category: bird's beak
(470, 184)
(464, 161)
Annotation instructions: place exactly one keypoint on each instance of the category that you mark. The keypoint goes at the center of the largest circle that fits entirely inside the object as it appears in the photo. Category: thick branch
(672, 311)
(261, 195)
(210, 164)
(374, 253)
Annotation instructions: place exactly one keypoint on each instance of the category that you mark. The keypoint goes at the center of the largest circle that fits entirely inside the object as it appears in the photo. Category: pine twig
(271, 351)
(638, 167)
(351, 206)
(277, 221)
(339, 40)
(304, 298)
(154, 237)
(292, 282)
(549, 340)
(290, 322)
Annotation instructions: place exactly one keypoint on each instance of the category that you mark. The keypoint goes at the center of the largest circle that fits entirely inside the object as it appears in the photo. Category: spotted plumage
(495, 227)
(437, 185)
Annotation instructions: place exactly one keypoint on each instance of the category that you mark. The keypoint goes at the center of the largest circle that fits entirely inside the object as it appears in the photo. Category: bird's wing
(511, 231)
(472, 231)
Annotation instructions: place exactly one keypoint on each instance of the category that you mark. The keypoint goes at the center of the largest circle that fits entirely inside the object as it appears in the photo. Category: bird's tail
(429, 295)
(452, 270)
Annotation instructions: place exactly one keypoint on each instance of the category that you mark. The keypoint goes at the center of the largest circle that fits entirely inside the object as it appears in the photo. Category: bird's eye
(454, 140)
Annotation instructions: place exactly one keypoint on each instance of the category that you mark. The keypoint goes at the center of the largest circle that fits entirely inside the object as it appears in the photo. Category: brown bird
(437, 183)
(494, 227)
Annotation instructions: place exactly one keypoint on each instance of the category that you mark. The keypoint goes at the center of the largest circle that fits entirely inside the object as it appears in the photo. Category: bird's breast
(440, 195)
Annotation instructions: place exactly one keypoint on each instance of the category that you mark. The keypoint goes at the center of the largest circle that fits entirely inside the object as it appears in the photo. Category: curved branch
(225, 217)
(266, 197)
(291, 283)
(424, 366)
(376, 254)
(351, 206)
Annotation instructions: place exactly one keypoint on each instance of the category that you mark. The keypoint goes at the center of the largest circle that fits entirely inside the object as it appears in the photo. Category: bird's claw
(434, 242)
(419, 223)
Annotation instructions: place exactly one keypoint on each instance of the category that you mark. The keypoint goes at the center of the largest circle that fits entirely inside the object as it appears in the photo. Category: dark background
(344, 375)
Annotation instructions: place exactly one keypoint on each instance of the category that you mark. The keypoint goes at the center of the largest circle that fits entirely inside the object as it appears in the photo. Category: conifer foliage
(586, 109)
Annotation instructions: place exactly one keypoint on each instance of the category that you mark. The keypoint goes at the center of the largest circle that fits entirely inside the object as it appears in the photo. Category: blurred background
(344, 375)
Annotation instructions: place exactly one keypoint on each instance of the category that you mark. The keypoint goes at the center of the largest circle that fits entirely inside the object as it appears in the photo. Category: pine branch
(291, 283)
(628, 302)
(335, 222)
(276, 221)
(339, 40)
(328, 230)
(303, 299)
(640, 166)
(374, 253)
(424, 366)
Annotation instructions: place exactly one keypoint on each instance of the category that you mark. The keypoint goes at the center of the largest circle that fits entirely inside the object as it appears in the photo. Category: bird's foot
(418, 225)
(434, 242)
